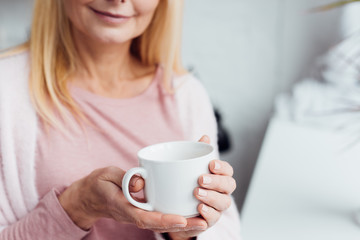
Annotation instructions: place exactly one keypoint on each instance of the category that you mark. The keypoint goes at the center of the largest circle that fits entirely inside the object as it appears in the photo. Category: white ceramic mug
(171, 171)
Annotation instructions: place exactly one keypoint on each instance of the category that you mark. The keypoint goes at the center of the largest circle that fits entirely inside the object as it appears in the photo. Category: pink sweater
(120, 128)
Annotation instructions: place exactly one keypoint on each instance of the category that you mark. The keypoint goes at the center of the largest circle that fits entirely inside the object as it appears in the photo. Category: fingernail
(204, 208)
(202, 192)
(181, 225)
(206, 180)
(217, 165)
(197, 228)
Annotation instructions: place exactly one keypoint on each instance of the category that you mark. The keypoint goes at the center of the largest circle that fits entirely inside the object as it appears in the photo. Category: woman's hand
(99, 195)
(214, 193)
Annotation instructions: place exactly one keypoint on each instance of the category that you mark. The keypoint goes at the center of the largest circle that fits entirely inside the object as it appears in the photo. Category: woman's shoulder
(195, 109)
(191, 94)
(188, 84)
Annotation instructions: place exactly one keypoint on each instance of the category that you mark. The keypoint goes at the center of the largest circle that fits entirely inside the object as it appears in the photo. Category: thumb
(205, 139)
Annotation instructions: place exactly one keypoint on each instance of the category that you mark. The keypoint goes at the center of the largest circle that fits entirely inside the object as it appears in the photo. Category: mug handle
(125, 187)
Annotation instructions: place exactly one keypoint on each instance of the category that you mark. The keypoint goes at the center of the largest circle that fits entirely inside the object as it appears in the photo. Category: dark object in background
(223, 136)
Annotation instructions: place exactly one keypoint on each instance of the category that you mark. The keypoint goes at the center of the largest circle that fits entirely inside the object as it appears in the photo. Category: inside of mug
(175, 151)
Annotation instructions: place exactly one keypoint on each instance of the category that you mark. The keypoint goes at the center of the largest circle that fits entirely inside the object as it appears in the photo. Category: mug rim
(211, 148)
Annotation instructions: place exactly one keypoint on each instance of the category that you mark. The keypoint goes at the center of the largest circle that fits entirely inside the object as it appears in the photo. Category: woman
(98, 81)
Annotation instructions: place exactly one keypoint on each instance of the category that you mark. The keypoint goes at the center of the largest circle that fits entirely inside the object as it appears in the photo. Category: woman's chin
(112, 38)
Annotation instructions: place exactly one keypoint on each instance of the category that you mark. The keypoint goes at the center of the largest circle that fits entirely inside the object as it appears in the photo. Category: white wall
(244, 51)
(15, 20)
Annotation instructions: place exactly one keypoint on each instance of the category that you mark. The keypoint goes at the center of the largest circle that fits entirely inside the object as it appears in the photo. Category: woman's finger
(136, 184)
(210, 215)
(111, 174)
(219, 183)
(196, 224)
(158, 221)
(221, 168)
(194, 227)
(205, 139)
(115, 175)
(154, 221)
(214, 199)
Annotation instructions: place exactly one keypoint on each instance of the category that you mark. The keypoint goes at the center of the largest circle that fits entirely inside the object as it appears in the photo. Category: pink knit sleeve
(197, 116)
(47, 221)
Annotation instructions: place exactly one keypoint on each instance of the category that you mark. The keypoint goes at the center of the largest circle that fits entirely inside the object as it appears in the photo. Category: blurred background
(245, 52)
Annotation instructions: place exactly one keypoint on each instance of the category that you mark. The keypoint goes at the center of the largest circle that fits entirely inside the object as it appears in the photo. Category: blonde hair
(54, 57)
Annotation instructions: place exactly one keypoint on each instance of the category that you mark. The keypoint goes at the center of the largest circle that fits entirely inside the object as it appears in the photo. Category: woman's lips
(110, 17)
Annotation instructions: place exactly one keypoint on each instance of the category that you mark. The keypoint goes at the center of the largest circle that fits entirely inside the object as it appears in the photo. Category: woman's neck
(106, 68)
(100, 61)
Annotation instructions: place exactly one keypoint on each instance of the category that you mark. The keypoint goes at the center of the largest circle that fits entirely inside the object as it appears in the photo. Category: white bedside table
(306, 185)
